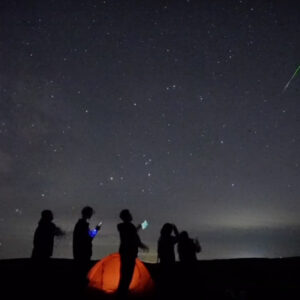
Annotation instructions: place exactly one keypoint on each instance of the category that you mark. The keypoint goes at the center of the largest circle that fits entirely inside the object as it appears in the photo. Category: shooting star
(288, 83)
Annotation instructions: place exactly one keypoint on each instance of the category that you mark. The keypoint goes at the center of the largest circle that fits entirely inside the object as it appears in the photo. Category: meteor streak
(288, 83)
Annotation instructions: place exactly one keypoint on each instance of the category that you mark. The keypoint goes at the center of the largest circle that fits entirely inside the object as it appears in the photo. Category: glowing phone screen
(145, 224)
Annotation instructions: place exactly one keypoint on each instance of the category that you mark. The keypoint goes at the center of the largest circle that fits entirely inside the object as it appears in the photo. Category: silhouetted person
(43, 240)
(187, 251)
(166, 243)
(82, 243)
(129, 244)
(166, 257)
(83, 236)
(187, 248)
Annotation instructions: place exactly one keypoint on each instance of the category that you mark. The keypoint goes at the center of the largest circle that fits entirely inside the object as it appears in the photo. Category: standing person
(187, 248)
(187, 251)
(166, 243)
(82, 240)
(167, 278)
(43, 243)
(44, 234)
(129, 244)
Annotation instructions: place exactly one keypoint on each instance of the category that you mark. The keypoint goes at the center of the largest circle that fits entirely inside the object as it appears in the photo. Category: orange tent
(104, 276)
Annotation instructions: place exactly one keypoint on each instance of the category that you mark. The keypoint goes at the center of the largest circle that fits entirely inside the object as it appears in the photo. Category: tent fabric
(105, 276)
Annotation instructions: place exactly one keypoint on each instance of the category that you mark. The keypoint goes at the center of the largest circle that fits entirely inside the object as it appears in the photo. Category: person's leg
(126, 273)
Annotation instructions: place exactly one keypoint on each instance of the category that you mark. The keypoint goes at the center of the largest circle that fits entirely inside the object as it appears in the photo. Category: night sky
(172, 109)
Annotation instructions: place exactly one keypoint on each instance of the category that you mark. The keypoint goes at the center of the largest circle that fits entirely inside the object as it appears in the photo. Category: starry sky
(172, 109)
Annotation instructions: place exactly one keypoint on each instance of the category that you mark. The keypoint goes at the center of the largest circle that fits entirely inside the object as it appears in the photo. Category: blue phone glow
(92, 233)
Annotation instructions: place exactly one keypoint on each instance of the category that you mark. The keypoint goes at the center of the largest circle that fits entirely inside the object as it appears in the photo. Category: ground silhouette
(217, 279)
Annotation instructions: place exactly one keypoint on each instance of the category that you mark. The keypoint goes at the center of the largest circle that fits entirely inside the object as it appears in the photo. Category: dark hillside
(215, 279)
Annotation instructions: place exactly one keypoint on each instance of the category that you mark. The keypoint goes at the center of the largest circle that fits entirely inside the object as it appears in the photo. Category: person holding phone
(130, 242)
(82, 239)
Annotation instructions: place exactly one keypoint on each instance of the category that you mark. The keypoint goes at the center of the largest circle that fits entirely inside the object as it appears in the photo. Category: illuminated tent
(104, 276)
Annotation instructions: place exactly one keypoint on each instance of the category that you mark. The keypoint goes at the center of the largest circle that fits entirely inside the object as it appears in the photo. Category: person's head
(47, 215)
(125, 215)
(183, 236)
(87, 212)
(166, 230)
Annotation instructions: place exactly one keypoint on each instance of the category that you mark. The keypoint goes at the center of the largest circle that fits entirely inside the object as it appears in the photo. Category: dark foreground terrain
(215, 279)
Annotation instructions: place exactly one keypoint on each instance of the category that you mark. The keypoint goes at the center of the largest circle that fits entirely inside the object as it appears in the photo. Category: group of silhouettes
(130, 242)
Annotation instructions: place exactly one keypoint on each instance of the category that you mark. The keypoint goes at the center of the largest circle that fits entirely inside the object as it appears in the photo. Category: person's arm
(58, 231)
(176, 232)
(141, 244)
(197, 245)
